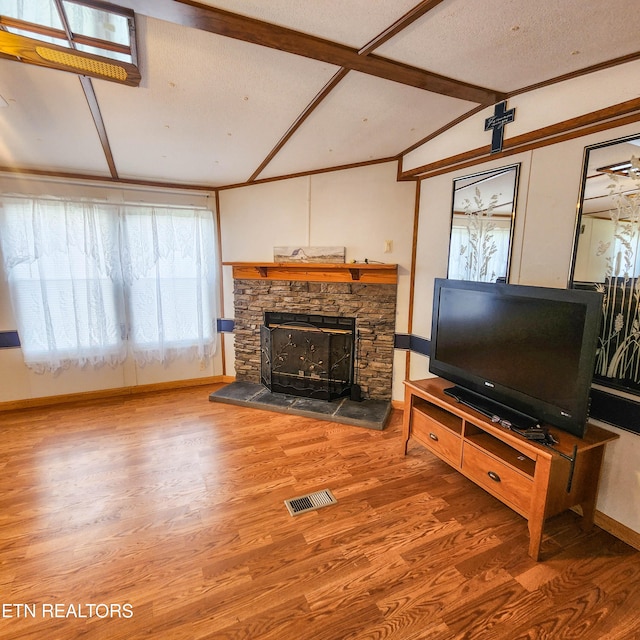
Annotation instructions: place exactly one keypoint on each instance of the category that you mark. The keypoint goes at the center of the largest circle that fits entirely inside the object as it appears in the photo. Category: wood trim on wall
(617, 529)
(412, 272)
(44, 401)
(540, 85)
(601, 66)
(216, 200)
(594, 122)
(176, 186)
(311, 172)
(111, 181)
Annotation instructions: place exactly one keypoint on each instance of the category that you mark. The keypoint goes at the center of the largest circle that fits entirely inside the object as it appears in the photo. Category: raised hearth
(370, 414)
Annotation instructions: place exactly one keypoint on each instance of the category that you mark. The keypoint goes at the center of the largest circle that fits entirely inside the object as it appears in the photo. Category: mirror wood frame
(606, 257)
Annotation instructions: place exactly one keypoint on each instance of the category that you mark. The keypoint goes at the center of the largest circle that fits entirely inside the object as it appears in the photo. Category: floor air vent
(309, 502)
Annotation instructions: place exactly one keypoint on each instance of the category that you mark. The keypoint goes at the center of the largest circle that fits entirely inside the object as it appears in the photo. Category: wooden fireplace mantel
(363, 272)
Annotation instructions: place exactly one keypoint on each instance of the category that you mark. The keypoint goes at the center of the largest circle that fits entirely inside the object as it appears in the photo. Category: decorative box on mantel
(363, 291)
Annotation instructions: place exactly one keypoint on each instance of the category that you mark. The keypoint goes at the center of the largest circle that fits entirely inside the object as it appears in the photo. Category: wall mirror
(606, 255)
(482, 215)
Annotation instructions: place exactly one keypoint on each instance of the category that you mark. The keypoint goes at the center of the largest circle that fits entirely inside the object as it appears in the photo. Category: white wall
(535, 110)
(543, 247)
(356, 208)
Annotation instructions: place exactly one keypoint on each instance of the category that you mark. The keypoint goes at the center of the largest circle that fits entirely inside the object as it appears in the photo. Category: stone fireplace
(362, 296)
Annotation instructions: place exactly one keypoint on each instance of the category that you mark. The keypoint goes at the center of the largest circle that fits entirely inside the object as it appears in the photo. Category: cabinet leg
(535, 539)
(588, 513)
(590, 467)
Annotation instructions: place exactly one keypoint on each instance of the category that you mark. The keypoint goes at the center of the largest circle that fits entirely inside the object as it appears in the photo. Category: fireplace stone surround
(372, 304)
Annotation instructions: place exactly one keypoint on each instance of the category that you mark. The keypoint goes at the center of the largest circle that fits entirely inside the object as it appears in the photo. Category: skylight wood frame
(33, 50)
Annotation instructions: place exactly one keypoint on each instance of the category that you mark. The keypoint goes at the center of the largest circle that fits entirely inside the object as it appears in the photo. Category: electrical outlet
(388, 246)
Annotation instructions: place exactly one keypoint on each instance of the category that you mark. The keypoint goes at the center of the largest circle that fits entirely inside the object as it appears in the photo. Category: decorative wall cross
(496, 122)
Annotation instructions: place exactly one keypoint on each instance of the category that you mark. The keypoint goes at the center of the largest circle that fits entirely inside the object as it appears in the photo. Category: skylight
(91, 27)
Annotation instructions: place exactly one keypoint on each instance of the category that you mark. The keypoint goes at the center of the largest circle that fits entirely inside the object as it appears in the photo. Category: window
(90, 28)
(168, 256)
(92, 281)
(480, 253)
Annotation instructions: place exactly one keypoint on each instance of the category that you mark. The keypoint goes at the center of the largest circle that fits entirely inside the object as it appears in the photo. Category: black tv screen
(530, 349)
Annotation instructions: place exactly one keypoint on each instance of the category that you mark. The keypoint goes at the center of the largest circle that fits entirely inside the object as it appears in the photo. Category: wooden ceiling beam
(417, 12)
(311, 107)
(213, 20)
(402, 23)
(94, 107)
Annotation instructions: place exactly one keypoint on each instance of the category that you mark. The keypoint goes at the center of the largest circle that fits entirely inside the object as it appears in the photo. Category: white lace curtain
(91, 282)
(464, 266)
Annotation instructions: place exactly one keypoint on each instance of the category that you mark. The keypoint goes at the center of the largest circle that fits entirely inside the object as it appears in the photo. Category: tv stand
(535, 480)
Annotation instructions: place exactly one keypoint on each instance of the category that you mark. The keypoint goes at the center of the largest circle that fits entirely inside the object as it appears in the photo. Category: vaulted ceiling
(235, 91)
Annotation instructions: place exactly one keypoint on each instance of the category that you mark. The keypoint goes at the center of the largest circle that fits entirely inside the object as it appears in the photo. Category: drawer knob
(494, 476)
(433, 436)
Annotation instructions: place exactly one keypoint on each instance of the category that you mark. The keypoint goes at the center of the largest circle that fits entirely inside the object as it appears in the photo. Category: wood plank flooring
(162, 516)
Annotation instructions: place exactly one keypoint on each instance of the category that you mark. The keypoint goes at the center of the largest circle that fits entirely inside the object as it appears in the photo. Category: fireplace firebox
(308, 355)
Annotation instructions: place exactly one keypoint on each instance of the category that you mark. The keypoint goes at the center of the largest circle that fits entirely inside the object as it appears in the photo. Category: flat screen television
(520, 353)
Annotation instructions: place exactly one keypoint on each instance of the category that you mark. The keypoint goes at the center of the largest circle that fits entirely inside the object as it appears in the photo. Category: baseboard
(44, 401)
(397, 404)
(617, 529)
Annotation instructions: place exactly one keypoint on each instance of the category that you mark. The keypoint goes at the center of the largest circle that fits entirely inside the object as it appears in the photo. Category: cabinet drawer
(442, 441)
(513, 488)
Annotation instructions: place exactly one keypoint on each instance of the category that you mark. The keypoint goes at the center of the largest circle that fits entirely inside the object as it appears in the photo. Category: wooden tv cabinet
(535, 480)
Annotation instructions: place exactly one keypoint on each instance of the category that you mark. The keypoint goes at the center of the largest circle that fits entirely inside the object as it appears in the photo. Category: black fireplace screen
(307, 355)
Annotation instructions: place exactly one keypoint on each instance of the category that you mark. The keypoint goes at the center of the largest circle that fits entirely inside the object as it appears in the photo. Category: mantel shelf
(363, 272)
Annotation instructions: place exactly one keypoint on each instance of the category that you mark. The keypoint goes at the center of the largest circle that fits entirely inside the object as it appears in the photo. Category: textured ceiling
(213, 110)
(350, 22)
(509, 45)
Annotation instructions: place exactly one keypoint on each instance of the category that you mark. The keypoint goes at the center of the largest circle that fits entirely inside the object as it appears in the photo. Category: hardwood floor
(161, 516)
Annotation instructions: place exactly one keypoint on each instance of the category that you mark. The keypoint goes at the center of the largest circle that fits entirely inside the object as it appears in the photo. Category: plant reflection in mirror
(481, 241)
(619, 352)
(482, 216)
